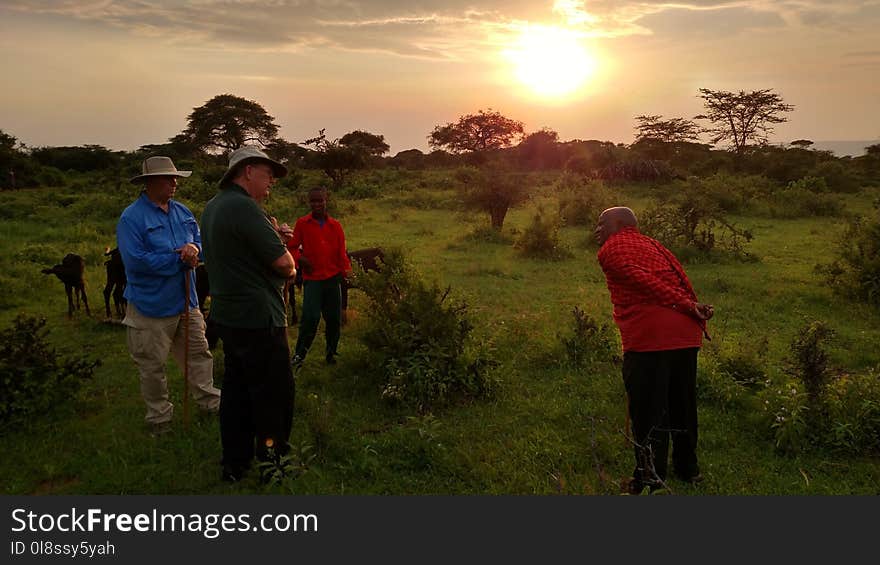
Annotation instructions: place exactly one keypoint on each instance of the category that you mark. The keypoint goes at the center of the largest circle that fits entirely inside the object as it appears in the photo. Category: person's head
(254, 171)
(159, 177)
(612, 221)
(318, 202)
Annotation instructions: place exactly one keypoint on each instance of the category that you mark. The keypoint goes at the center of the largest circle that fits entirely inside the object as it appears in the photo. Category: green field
(550, 429)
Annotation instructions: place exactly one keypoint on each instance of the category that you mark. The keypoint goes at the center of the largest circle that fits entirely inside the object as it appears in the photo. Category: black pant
(256, 401)
(661, 386)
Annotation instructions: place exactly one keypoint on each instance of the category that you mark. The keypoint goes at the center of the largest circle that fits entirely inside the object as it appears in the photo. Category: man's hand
(703, 311)
(189, 254)
(284, 230)
(304, 265)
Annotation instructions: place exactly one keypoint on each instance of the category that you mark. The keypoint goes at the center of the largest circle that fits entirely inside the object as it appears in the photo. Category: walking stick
(186, 348)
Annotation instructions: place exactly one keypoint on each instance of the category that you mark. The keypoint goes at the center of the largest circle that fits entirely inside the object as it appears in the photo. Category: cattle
(71, 272)
(116, 282)
(369, 259)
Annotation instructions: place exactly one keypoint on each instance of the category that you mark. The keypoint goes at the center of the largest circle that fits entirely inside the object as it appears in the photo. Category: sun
(552, 62)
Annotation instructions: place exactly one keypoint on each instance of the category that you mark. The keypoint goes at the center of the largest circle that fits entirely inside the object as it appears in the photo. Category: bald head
(612, 221)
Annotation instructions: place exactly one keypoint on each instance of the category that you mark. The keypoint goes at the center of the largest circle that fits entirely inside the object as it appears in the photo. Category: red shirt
(323, 245)
(650, 292)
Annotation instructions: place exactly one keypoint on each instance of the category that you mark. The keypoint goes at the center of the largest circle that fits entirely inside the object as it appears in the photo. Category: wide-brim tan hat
(158, 166)
(251, 153)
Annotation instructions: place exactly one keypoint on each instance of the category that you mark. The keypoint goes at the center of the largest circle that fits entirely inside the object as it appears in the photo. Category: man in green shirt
(247, 264)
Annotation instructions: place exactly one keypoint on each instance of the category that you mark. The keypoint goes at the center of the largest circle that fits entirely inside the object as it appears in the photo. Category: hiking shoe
(693, 479)
(296, 364)
(160, 429)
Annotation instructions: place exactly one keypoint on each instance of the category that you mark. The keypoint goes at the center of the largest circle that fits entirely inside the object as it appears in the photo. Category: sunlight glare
(551, 61)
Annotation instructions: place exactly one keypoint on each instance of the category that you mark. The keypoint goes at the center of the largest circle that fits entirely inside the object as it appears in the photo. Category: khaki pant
(149, 342)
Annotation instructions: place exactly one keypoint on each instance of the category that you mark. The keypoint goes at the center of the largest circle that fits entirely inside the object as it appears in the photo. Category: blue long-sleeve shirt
(147, 237)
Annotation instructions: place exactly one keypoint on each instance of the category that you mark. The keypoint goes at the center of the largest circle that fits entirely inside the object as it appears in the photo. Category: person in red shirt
(318, 245)
(661, 326)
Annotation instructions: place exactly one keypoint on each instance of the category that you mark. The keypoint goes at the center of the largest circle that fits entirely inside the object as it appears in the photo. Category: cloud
(434, 29)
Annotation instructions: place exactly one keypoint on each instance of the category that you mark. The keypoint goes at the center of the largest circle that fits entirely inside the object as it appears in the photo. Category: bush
(813, 184)
(540, 240)
(581, 201)
(421, 339)
(33, 377)
(695, 227)
(589, 341)
(820, 409)
(856, 271)
(837, 176)
(745, 365)
(796, 201)
(637, 170)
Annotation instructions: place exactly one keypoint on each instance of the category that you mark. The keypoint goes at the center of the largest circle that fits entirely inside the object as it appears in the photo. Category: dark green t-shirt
(240, 245)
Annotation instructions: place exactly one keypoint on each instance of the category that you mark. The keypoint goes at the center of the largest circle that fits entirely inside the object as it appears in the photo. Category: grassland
(551, 429)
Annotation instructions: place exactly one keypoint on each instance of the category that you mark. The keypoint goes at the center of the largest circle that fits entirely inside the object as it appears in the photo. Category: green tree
(336, 160)
(476, 133)
(666, 131)
(225, 123)
(493, 189)
(540, 150)
(742, 118)
(365, 142)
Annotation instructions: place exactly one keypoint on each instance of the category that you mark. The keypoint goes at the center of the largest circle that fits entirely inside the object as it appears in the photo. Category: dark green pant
(320, 298)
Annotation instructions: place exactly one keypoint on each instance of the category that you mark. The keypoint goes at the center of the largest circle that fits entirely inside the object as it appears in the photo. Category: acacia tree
(365, 142)
(483, 131)
(339, 158)
(225, 123)
(667, 131)
(742, 117)
(540, 149)
(493, 189)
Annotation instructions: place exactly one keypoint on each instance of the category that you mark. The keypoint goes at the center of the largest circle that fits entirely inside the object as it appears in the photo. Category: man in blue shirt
(160, 245)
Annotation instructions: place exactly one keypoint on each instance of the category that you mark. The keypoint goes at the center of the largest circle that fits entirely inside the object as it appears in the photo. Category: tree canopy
(668, 131)
(742, 118)
(483, 131)
(225, 123)
(368, 143)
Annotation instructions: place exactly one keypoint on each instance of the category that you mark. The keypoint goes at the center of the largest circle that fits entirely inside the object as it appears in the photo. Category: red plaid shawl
(646, 282)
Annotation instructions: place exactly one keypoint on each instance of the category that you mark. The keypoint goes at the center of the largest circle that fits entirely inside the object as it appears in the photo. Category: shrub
(488, 234)
(818, 408)
(540, 240)
(33, 377)
(798, 202)
(581, 201)
(745, 365)
(837, 176)
(856, 271)
(637, 170)
(813, 184)
(50, 176)
(809, 361)
(588, 342)
(696, 227)
(421, 339)
(853, 414)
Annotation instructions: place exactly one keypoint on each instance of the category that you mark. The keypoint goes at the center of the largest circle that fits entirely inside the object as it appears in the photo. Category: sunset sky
(123, 74)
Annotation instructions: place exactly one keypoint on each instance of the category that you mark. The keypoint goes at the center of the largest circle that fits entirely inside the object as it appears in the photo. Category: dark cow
(369, 259)
(116, 282)
(71, 272)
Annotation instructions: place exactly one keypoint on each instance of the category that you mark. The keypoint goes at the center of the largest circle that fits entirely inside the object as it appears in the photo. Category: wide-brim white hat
(251, 153)
(158, 166)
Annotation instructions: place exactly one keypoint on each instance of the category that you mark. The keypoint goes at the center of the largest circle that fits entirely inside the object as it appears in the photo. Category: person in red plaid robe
(661, 326)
